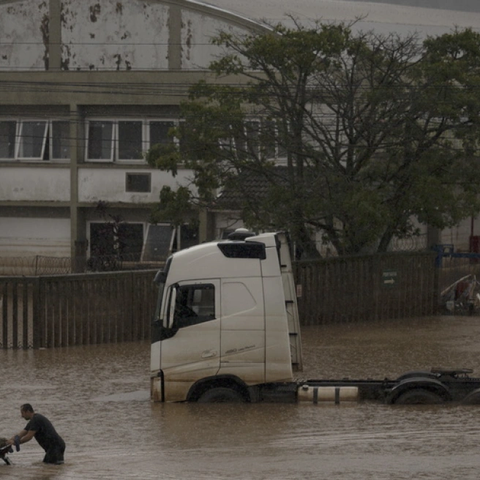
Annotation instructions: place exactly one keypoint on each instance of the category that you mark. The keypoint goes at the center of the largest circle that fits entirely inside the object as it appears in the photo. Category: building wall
(22, 35)
(198, 29)
(73, 60)
(459, 235)
(25, 237)
(114, 35)
(105, 35)
(107, 184)
(35, 184)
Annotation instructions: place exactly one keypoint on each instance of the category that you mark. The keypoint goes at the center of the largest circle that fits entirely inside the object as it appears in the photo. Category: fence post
(38, 314)
(26, 308)
(35, 311)
(15, 287)
(129, 331)
(5, 315)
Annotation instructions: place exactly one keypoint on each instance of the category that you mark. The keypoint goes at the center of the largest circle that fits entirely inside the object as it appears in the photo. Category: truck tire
(221, 395)
(419, 396)
(472, 398)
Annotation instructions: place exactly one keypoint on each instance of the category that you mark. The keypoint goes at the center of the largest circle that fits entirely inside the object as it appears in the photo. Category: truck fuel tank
(327, 394)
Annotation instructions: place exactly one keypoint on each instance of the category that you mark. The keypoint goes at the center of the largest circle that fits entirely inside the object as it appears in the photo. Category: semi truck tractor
(226, 329)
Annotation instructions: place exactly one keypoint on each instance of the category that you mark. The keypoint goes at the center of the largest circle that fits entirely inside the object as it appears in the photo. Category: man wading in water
(45, 434)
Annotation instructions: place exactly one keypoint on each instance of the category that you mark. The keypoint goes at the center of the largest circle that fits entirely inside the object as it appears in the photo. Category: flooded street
(97, 397)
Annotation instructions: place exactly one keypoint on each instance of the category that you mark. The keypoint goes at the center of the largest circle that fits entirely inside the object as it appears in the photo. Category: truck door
(193, 315)
(243, 329)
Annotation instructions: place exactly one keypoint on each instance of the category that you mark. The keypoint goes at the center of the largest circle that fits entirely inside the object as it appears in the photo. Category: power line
(115, 44)
(142, 88)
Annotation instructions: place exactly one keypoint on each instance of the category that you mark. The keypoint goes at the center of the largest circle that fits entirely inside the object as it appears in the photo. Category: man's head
(26, 411)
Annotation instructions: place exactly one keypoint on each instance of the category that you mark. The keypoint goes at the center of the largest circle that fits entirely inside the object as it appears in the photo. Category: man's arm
(25, 436)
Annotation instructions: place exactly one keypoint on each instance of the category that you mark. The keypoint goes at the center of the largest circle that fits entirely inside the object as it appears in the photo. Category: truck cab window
(194, 304)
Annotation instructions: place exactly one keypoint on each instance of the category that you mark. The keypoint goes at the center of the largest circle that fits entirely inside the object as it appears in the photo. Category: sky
(383, 17)
(460, 5)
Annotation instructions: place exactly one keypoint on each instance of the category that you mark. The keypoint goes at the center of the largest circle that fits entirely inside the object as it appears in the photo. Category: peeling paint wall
(197, 31)
(102, 35)
(23, 26)
(35, 184)
(108, 185)
(114, 35)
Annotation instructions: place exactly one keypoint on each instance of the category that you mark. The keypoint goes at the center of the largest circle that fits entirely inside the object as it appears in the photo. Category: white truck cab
(226, 320)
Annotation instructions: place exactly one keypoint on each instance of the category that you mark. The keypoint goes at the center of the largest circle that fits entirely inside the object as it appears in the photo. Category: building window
(159, 132)
(8, 130)
(158, 243)
(138, 182)
(252, 133)
(162, 240)
(32, 140)
(112, 140)
(258, 138)
(120, 240)
(272, 142)
(130, 140)
(100, 140)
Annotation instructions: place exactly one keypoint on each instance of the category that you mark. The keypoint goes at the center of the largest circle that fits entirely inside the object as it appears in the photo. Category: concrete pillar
(175, 38)
(78, 244)
(55, 36)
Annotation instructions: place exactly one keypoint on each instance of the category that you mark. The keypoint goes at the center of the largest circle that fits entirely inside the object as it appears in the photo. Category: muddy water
(97, 397)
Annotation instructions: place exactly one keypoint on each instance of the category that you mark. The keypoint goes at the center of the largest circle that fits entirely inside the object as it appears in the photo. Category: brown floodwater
(98, 399)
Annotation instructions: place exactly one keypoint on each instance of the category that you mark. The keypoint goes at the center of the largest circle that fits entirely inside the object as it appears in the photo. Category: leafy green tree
(378, 133)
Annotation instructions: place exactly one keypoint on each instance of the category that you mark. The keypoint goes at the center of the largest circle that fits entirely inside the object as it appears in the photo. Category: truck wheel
(221, 395)
(472, 398)
(419, 396)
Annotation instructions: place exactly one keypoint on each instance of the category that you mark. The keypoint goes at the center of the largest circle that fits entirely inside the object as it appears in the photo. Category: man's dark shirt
(45, 435)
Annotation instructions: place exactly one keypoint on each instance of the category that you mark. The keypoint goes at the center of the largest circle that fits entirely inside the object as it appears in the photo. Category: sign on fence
(389, 278)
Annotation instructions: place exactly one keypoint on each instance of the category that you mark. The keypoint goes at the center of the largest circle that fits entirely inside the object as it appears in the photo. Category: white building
(86, 87)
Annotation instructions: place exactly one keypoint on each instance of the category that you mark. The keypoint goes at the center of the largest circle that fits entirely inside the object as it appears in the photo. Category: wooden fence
(364, 288)
(84, 309)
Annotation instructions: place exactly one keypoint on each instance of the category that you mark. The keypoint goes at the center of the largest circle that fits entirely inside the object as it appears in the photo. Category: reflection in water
(97, 398)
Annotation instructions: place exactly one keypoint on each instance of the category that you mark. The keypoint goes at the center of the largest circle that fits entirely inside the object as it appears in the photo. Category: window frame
(279, 152)
(112, 140)
(59, 159)
(116, 155)
(255, 145)
(146, 141)
(175, 123)
(21, 139)
(139, 174)
(46, 149)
